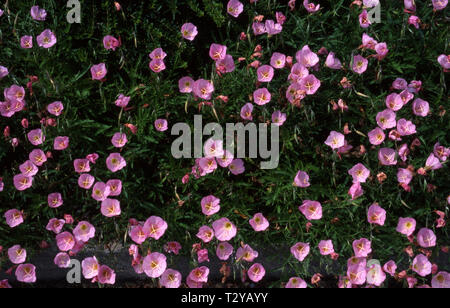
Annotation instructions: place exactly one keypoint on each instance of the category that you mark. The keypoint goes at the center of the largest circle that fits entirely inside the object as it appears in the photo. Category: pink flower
(186, 84)
(206, 234)
(371, 3)
(55, 225)
(355, 191)
(224, 251)
(115, 187)
(217, 52)
(226, 159)
(278, 118)
(157, 65)
(420, 107)
(226, 65)
(382, 51)
(36, 137)
(311, 7)
(115, 162)
(261, 96)
(362, 248)
(375, 275)
(441, 281)
(439, 4)
(410, 5)
(98, 71)
(110, 208)
(3, 72)
(61, 143)
(441, 152)
(237, 166)
(138, 235)
(210, 205)
(258, 28)
(259, 222)
(246, 253)
(333, 62)
(157, 54)
(400, 84)
(235, 8)
(26, 42)
(55, 200)
(202, 256)
(310, 84)
(387, 157)
(28, 169)
(403, 152)
(414, 20)
(208, 164)
(300, 251)
(404, 176)
(17, 255)
(335, 140)
(246, 112)
(13, 218)
(394, 102)
(106, 275)
(110, 42)
(122, 101)
(406, 226)
(364, 20)
(161, 125)
(171, 279)
(376, 215)
(213, 148)
(421, 265)
(84, 231)
(199, 275)
(189, 31)
(311, 209)
(81, 165)
(26, 273)
(390, 268)
(119, 140)
(405, 127)
(62, 260)
(432, 163)
(326, 248)
(359, 64)
(306, 57)
(301, 179)
(273, 28)
(376, 136)
(22, 182)
(256, 272)
(155, 227)
(65, 241)
(278, 60)
(359, 173)
(90, 267)
(296, 283)
(55, 108)
(224, 230)
(426, 238)
(357, 274)
(444, 61)
(203, 89)
(265, 73)
(38, 14)
(86, 181)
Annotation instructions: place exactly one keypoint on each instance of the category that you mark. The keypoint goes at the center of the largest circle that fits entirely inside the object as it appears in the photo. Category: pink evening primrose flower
(278, 60)
(13, 218)
(311, 7)
(98, 71)
(61, 143)
(226, 65)
(161, 125)
(213, 148)
(155, 264)
(426, 238)
(444, 61)
(22, 182)
(246, 112)
(206, 234)
(186, 84)
(421, 265)
(400, 84)
(119, 140)
(375, 275)
(265, 73)
(55, 200)
(110, 208)
(155, 227)
(439, 4)
(36, 137)
(390, 267)
(364, 20)
(199, 275)
(217, 52)
(138, 235)
(157, 54)
(311, 209)
(362, 248)
(406, 226)
(46, 39)
(335, 140)
(300, 251)
(376, 215)
(86, 181)
(359, 64)
(224, 251)
(272, 28)
(26, 42)
(326, 248)
(441, 281)
(115, 162)
(387, 157)
(333, 62)
(90, 267)
(235, 8)
(302, 179)
(62, 260)
(237, 166)
(84, 231)
(3, 72)
(405, 127)
(171, 279)
(210, 205)
(189, 31)
(306, 57)
(420, 107)
(386, 119)
(38, 14)
(157, 65)
(278, 118)
(394, 102)
(106, 275)
(55, 225)
(246, 253)
(310, 84)
(256, 272)
(404, 176)
(296, 283)
(259, 28)
(81, 165)
(110, 42)
(17, 255)
(115, 187)
(203, 88)
(414, 21)
(359, 173)
(122, 101)
(65, 241)
(224, 229)
(259, 223)
(226, 159)
(376, 136)
(26, 273)
(262, 96)
(55, 108)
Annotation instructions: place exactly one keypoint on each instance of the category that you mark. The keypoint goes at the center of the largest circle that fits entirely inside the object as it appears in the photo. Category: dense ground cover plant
(85, 157)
